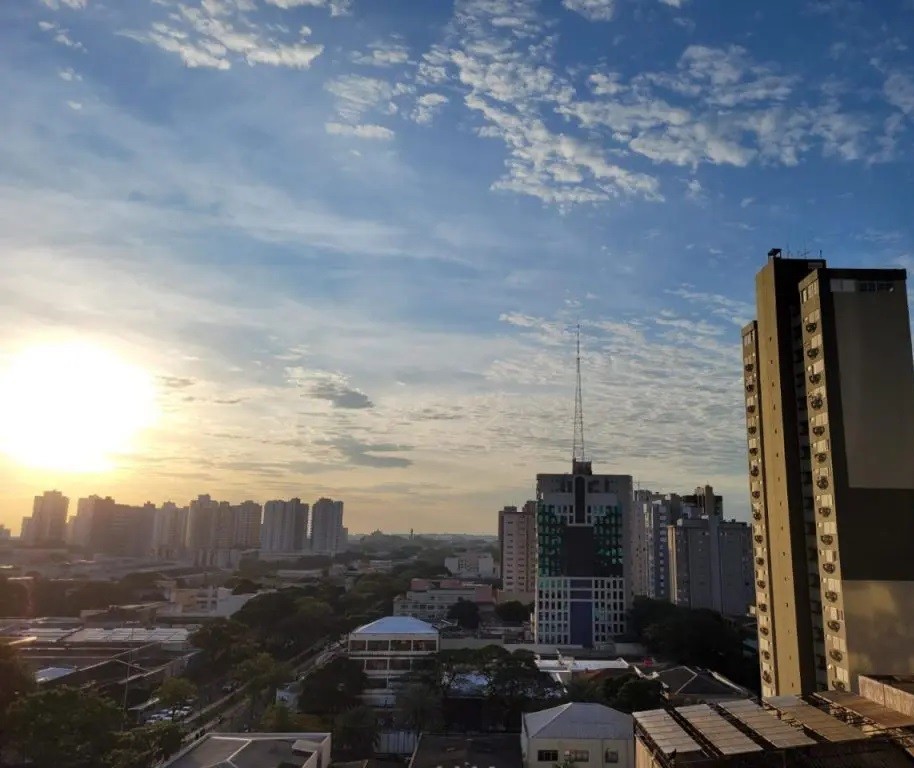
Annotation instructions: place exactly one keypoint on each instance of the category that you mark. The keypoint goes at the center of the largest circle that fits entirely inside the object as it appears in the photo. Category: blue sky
(347, 238)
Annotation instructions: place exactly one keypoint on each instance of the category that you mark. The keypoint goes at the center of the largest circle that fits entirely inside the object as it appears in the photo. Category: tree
(176, 692)
(16, 681)
(418, 707)
(515, 680)
(145, 746)
(513, 610)
(223, 642)
(334, 687)
(262, 675)
(637, 695)
(245, 587)
(65, 727)
(278, 718)
(584, 689)
(356, 733)
(465, 613)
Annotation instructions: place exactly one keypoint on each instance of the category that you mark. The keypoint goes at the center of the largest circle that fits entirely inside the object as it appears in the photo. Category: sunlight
(71, 406)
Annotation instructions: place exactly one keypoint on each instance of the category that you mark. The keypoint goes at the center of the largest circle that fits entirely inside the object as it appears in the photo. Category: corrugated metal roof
(579, 721)
(779, 733)
(725, 737)
(396, 625)
(816, 720)
(871, 710)
(666, 733)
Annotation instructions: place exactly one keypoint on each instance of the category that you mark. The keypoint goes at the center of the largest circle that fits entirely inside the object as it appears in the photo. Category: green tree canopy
(65, 727)
(223, 642)
(334, 687)
(513, 610)
(465, 613)
(418, 707)
(278, 718)
(355, 733)
(16, 681)
(176, 692)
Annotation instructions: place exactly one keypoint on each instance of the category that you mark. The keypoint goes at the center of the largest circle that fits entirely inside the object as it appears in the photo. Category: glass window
(547, 756)
(611, 756)
(579, 755)
(356, 645)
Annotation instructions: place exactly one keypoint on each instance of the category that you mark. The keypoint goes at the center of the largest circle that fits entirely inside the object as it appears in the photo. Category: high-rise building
(81, 524)
(168, 531)
(653, 514)
(829, 387)
(710, 564)
(327, 526)
(200, 533)
(285, 526)
(121, 529)
(48, 524)
(582, 525)
(517, 538)
(246, 518)
(705, 501)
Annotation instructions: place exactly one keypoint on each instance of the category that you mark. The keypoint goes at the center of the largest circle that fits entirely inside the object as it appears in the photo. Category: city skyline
(331, 251)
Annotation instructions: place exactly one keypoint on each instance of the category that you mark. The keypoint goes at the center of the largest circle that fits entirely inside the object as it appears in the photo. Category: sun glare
(71, 406)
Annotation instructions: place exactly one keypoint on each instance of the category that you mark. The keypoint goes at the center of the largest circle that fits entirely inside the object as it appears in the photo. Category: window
(611, 756)
(547, 756)
(578, 755)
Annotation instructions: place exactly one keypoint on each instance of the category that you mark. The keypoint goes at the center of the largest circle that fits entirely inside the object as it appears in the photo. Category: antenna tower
(578, 453)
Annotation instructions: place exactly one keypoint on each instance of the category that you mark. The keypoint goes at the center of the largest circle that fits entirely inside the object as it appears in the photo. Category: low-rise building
(387, 650)
(206, 602)
(781, 732)
(472, 565)
(590, 735)
(563, 668)
(255, 750)
(684, 685)
(446, 751)
(431, 600)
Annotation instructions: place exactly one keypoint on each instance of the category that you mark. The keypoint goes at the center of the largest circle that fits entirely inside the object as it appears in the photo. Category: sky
(347, 240)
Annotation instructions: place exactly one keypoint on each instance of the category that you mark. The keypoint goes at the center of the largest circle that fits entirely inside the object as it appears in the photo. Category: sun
(71, 406)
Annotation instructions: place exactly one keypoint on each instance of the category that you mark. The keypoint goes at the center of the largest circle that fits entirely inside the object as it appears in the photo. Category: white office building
(582, 597)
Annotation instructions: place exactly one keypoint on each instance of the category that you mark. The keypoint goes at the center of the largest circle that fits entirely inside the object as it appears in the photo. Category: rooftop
(249, 750)
(489, 751)
(693, 681)
(396, 625)
(578, 721)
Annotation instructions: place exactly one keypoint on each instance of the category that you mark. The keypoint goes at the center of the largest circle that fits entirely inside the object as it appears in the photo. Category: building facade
(582, 597)
(285, 526)
(710, 562)
(653, 514)
(327, 527)
(246, 519)
(517, 543)
(829, 386)
(168, 531)
(432, 600)
(471, 565)
(388, 650)
(48, 524)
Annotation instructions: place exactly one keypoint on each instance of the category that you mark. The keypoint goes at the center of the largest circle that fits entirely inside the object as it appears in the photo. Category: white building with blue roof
(388, 649)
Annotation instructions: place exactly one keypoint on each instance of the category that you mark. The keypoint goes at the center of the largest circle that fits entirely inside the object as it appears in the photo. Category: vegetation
(280, 719)
(65, 728)
(262, 675)
(333, 688)
(175, 692)
(465, 613)
(513, 611)
(16, 681)
(355, 734)
(418, 707)
(695, 637)
(627, 693)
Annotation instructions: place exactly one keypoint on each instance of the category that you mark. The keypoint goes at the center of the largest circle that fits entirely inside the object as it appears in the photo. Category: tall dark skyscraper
(829, 386)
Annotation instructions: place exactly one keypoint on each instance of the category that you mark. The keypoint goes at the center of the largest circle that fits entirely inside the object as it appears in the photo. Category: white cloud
(74, 4)
(360, 131)
(356, 94)
(383, 55)
(899, 90)
(75, 105)
(336, 7)
(69, 74)
(217, 34)
(694, 190)
(746, 202)
(674, 3)
(427, 106)
(595, 10)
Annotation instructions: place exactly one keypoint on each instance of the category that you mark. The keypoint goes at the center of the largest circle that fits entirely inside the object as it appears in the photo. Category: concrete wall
(596, 747)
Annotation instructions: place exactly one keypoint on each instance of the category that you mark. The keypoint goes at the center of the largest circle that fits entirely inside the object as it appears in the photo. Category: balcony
(764, 631)
(763, 607)
(766, 676)
(829, 567)
(754, 471)
(749, 367)
(752, 429)
(750, 409)
(756, 515)
(761, 584)
(750, 387)
(760, 561)
(756, 494)
(758, 539)
(766, 655)
(753, 451)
